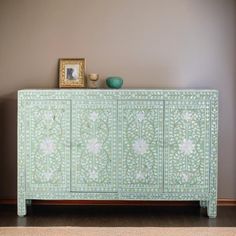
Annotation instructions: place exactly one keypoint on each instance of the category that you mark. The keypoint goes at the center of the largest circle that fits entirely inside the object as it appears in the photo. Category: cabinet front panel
(140, 146)
(47, 145)
(94, 146)
(187, 146)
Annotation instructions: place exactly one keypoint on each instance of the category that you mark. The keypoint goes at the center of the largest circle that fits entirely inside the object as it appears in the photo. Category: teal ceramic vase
(114, 82)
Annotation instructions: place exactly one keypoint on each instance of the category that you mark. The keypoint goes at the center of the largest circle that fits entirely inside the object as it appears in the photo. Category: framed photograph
(72, 73)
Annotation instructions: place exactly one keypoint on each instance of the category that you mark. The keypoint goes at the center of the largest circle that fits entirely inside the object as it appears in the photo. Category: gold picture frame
(72, 72)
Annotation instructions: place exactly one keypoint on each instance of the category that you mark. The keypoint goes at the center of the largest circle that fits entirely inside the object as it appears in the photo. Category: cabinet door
(187, 146)
(47, 145)
(94, 146)
(140, 146)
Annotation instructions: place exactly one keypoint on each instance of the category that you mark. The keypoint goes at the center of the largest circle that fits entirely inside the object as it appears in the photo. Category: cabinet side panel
(212, 204)
(21, 203)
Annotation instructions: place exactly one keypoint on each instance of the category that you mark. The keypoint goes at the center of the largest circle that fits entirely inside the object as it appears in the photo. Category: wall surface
(151, 43)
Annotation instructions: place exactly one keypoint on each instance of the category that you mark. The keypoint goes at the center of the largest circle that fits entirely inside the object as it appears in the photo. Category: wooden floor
(117, 216)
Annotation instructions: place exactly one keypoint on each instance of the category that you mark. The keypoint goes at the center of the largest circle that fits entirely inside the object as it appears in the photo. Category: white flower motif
(93, 175)
(48, 116)
(93, 116)
(140, 146)
(47, 175)
(187, 116)
(93, 146)
(140, 116)
(47, 146)
(140, 176)
(187, 146)
(185, 177)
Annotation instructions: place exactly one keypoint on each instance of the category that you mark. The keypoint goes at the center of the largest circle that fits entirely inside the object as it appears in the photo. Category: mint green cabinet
(118, 145)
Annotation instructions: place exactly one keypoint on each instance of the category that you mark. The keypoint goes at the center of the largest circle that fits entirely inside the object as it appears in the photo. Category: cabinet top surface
(153, 94)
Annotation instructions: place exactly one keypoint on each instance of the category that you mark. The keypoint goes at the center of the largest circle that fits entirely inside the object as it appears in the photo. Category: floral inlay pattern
(94, 146)
(49, 116)
(47, 146)
(187, 116)
(140, 116)
(141, 132)
(187, 146)
(93, 116)
(48, 175)
(185, 177)
(140, 146)
(47, 149)
(93, 175)
(93, 159)
(140, 176)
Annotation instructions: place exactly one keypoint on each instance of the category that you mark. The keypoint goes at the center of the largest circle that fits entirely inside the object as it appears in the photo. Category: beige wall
(151, 43)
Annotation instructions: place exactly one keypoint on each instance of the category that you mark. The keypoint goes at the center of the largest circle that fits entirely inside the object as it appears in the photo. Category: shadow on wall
(8, 145)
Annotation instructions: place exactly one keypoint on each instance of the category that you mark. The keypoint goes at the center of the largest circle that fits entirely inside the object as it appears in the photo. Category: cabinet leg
(212, 208)
(21, 207)
(203, 204)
